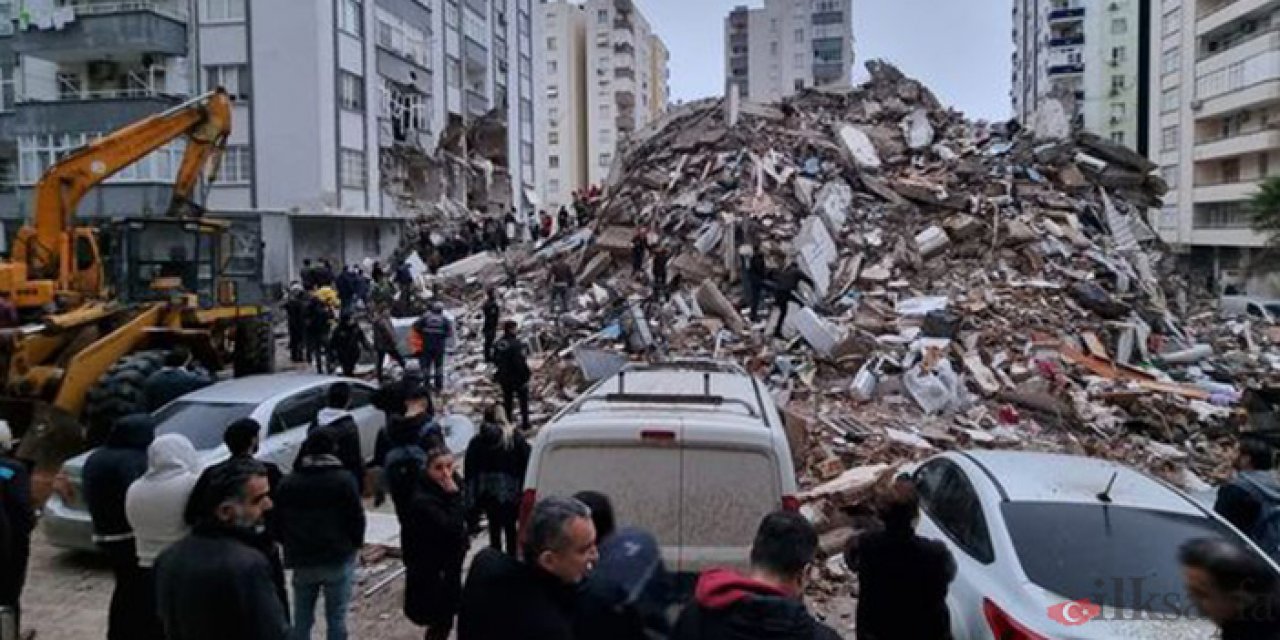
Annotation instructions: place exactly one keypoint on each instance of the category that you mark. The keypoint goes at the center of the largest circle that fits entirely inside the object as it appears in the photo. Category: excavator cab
(158, 259)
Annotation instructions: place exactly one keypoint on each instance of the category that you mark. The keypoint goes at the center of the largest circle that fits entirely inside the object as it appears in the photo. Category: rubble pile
(975, 285)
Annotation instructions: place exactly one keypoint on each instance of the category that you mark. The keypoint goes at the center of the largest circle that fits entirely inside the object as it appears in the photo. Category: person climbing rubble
(435, 331)
(786, 285)
(562, 281)
(513, 372)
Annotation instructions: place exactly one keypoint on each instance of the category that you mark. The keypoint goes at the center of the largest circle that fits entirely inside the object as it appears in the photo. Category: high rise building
(1214, 131)
(1092, 53)
(330, 95)
(787, 46)
(605, 77)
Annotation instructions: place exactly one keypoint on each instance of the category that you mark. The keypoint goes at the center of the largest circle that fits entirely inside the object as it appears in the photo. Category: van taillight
(527, 501)
(658, 435)
(1003, 626)
(791, 503)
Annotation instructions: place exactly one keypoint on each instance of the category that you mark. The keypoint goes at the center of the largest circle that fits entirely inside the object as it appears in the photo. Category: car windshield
(200, 422)
(1273, 309)
(1121, 557)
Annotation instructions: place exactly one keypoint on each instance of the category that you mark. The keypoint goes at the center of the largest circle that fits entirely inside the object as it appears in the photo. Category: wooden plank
(1095, 346)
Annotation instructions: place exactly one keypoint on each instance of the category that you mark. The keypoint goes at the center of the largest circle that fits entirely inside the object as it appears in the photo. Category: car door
(369, 420)
(953, 514)
(287, 428)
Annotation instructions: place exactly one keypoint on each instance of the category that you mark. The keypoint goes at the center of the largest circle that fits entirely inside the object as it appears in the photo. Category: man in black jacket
(107, 475)
(337, 421)
(784, 293)
(174, 380)
(321, 525)
(16, 522)
(1233, 587)
(491, 311)
(1251, 499)
(533, 597)
(766, 604)
(295, 309)
(215, 584)
(512, 373)
(902, 578)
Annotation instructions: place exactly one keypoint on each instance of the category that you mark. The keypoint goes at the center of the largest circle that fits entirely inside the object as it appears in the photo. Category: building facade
(788, 46)
(605, 76)
(1094, 54)
(314, 144)
(1215, 126)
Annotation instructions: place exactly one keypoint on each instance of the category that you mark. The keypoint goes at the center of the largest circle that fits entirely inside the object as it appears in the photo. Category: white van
(692, 451)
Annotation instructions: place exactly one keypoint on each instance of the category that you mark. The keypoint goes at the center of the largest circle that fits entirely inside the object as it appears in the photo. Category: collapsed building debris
(974, 285)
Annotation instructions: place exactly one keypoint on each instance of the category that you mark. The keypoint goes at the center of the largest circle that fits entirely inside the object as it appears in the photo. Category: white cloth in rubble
(156, 501)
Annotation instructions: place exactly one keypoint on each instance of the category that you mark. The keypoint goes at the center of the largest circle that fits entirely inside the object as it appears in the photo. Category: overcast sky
(959, 48)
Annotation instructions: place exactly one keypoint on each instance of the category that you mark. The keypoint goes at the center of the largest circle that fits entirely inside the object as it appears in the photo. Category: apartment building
(1215, 129)
(788, 45)
(604, 75)
(1092, 54)
(313, 151)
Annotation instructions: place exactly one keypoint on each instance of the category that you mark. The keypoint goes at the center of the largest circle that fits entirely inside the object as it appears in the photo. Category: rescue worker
(318, 316)
(348, 342)
(513, 372)
(435, 331)
(660, 258)
(490, 328)
(295, 309)
(562, 280)
(384, 340)
(787, 283)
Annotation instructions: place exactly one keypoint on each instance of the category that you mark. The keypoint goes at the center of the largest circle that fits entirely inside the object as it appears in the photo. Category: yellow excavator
(101, 307)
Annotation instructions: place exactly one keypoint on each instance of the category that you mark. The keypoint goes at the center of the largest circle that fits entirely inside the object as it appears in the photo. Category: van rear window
(726, 495)
(642, 482)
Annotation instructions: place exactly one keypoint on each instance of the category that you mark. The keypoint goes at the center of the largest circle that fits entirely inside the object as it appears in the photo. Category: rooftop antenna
(1105, 496)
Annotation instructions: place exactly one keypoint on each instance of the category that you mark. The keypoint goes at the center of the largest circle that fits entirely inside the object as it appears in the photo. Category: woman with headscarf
(154, 506)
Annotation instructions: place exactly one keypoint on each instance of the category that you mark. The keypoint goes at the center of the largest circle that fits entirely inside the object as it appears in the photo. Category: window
(1169, 138)
(606, 160)
(1118, 54)
(799, 84)
(222, 10)
(553, 162)
(604, 109)
(232, 77)
(70, 86)
(1170, 99)
(1117, 84)
(799, 60)
(1119, 26)
(296, 411)
(453, 72)
(553, 185)
(602, 16)
(553, 92)
(551, 67)
(553, 137)
(451, 14)
(1117, 110)
(551, 44)
(350, 91)
(605, 136)
(1231, 171)
(8, 89)
(1171, 61)
(1171, 22)
(1264, 164)
(799, 35)
(1117, 137)
(351, 17)
(353, 169)
(773, 48)
(202, 423)
(1170, 175)
(951, 502)
(237, 165)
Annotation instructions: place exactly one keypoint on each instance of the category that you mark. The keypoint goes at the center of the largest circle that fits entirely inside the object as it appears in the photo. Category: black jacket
(171, 383)
(491, 311)
(728, 606)
(342, 428)
(295, 308)
(508, 357)
(348, 341)
(214, 585)
(318, 317)
(902, 581)
(16, 523)
(495, 472)
(319, 514)
(112, 468)
(788, 281)
(530, 604)
(433, 535)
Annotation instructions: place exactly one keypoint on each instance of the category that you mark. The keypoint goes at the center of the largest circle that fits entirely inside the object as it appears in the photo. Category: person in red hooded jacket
(766, 603)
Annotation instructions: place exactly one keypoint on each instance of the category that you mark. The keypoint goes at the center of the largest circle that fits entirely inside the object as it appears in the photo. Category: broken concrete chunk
(821, 335)
(916, 129)
(931, 241)
(876, 274)
(1017, 232)
(858, 146)
(961, 226)
(714, 303)
(832, 203)
(981, 374)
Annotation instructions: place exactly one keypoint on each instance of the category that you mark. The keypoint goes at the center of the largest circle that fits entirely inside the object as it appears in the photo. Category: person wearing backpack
(495, 464)
(513, 372)
(435, 330)
(1251, 499)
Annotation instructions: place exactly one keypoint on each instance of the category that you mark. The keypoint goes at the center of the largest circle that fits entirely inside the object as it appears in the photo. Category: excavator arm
(46, 247)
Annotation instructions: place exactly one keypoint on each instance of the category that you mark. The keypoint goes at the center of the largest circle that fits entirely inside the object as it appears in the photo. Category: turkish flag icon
(1074, 612)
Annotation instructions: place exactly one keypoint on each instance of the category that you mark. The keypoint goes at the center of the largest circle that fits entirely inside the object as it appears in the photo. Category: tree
(1265, 217)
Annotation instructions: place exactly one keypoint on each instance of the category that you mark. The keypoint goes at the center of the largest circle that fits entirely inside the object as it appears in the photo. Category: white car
(1063, 547)
(284, 404)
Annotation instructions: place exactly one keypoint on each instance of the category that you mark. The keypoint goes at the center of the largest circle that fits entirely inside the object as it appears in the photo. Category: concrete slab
(858, 146)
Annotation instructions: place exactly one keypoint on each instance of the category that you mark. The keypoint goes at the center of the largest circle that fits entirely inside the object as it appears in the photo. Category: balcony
(104, 28)
(1066, 69)
(1214, 15)
(1066, 14)
(623, 24)
(624, 48)
(95, 113)
(625, 123)
(1225, 191)
(624, 73)
(1243, 143)
(1067, 41)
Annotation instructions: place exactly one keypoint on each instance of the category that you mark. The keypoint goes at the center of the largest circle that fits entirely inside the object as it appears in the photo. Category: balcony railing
(1232, 216)
(1067, 41)
(1069, 13)
(622, 24)
(89, 8)
(1066, 69)
(1210, 9)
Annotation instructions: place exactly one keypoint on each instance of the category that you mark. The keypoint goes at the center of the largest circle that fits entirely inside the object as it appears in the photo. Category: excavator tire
(118, 392)
(255, 347)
